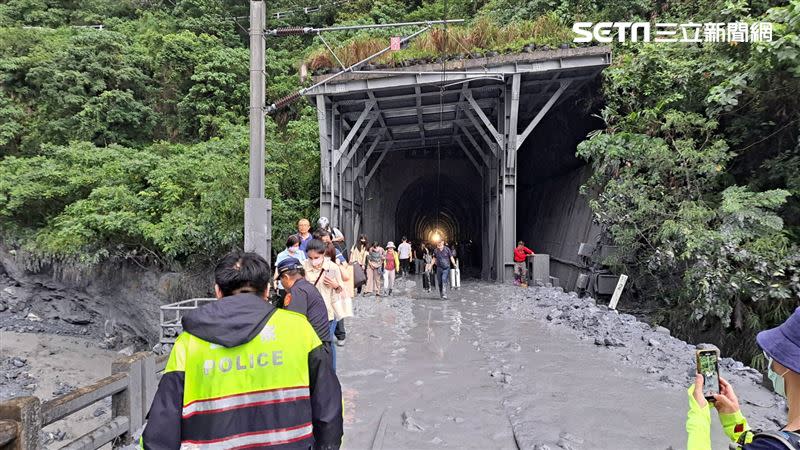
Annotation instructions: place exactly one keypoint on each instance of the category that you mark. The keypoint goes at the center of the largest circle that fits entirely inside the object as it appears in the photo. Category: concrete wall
(552, 216)
(556, 220)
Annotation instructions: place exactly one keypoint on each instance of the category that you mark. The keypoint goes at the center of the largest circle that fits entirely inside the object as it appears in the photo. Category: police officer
(244, 374)
(302, 297)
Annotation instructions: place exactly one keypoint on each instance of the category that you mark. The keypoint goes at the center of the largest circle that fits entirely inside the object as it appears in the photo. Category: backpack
(788, 439)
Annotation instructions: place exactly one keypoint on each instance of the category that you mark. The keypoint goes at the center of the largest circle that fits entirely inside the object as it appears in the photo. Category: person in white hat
(391, 265)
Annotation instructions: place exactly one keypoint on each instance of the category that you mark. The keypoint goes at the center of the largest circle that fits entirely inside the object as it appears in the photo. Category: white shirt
(405, 250)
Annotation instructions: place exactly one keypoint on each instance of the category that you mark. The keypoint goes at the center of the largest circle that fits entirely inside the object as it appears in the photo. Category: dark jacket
(306, 300)
(230, 322)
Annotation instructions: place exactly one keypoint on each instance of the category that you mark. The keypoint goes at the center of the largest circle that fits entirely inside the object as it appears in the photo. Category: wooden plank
(60, 407)
(149, 383)
(377, 441)
(618, 291)
(8, 431)
(27, 413)
(101, 435)
(128, 403)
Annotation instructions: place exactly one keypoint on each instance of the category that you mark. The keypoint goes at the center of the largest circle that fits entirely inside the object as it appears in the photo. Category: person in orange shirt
(520, 270)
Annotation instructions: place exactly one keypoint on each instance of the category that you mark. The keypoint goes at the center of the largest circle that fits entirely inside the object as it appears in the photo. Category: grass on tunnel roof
(474, 40)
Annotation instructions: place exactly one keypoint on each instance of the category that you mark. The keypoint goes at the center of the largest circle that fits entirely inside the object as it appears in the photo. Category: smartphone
(708, 366)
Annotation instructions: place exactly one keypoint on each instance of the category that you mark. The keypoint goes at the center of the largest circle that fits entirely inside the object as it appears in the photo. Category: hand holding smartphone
(708, 366)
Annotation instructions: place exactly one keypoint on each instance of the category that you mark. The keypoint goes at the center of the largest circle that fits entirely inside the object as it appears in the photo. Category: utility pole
(257, 209)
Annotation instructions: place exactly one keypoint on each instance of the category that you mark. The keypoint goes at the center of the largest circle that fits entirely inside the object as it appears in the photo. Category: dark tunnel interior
(453, 215)
(432, 193)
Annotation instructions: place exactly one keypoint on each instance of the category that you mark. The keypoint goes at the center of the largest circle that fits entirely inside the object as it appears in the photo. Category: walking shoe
(340, 342)
(444, 297)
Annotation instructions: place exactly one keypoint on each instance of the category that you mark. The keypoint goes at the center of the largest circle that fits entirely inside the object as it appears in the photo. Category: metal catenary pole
(257, 209)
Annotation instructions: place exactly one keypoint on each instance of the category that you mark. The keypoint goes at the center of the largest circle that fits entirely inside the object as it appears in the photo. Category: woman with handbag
(358, 259)
(374, 269)
(343, 301)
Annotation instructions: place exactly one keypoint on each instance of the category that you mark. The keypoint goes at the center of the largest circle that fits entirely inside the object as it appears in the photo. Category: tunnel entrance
(429, 152)
(444, 207)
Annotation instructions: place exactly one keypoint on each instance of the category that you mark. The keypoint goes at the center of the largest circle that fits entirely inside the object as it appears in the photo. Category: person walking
(337, 237)
(419, 258)
(347, 276)
(325, 237)
(781, 347)
(443, 259)
(520, 263)
(292, 251)
(374, 270)
(358, 255)
(391, 267)
(302, 297)
(404, 253)
(324, 274)
(304, 233)
(428, 276)
(245, 374)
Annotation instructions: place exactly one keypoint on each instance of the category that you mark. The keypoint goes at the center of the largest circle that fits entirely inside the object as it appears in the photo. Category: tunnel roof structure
(474, 113)
(412, 110)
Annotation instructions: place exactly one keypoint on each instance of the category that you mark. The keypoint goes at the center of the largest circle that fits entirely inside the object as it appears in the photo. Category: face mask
(317, 261)
(778, 383)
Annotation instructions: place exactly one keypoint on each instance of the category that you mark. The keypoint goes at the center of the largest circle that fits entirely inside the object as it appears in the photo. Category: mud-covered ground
(501, 366)
(495, 366)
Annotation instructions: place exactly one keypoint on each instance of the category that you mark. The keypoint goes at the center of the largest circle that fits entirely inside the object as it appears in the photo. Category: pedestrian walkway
(419, 372)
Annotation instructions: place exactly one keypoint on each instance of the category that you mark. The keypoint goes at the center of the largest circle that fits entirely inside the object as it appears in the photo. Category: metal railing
(131, 386)
(171, 316)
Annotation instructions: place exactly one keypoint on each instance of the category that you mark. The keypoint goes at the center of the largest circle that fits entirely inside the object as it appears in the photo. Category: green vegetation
(130, 142)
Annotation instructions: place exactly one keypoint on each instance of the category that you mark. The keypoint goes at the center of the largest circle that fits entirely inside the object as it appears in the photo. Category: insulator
(289, 31)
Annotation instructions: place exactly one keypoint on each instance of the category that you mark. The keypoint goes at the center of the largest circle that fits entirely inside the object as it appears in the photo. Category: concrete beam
(369, 152)
(492, 144)
(377, 164)
(343, 148)
(497, 136)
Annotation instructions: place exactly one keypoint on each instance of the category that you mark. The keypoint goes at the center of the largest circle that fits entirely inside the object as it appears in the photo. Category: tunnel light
(436, 236)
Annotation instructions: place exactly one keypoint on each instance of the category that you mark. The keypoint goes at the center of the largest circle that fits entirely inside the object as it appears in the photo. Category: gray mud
(500, 366)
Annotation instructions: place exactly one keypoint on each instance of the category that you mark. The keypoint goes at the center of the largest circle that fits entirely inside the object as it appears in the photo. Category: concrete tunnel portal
(481, 154)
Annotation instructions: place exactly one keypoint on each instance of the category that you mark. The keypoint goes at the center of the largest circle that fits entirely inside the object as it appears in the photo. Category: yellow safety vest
(253, 395)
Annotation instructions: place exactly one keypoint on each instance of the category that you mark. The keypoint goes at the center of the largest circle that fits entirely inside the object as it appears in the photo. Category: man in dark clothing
(442, 259)
(303, 297)
(245, 374)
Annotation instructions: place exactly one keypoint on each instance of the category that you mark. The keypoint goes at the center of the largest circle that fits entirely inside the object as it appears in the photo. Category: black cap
(288, 264)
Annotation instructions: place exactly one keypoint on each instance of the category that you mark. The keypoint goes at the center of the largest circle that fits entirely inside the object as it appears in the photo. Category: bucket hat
(782, 343)
(390, 244)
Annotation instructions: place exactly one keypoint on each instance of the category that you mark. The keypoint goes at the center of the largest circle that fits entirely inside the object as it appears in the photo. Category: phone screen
(708, 367)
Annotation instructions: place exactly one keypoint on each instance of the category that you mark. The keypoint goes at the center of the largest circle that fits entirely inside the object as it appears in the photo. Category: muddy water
(476, 372)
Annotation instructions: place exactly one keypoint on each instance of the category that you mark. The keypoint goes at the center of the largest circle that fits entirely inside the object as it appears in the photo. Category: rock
(436, 440)
(552, 315)
(19, 362)
(662, 330)
(541, 447)
(410, 424)
(613, 342)
(127, 351)
(419, 383)
(98, 412)
(653, 343)
(77, 320)
(33, 317)
(458, 420)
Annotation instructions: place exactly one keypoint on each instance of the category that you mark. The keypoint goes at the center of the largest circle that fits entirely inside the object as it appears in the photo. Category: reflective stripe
(255, 439)
(245, 400)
